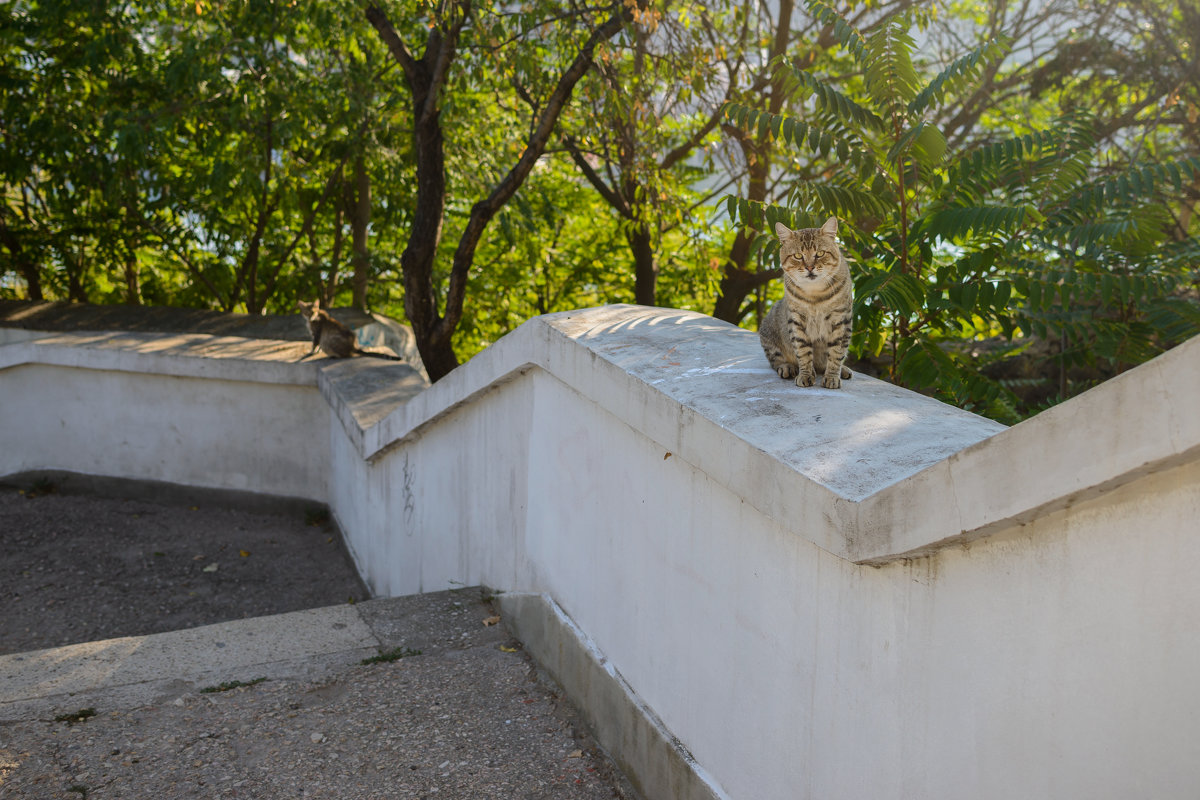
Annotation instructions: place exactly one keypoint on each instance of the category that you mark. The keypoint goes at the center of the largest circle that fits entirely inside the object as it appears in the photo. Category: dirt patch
(83, 567)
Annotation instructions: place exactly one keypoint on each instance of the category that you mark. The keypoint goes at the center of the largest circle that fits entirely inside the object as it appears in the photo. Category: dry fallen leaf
(575, 754)
(244, 553)
(506, 649)
(491, 621)
(213, 567)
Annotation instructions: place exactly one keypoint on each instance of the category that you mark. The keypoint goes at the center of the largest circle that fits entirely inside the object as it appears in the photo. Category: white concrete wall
(445, 509)
(188, 410)
(855, 593)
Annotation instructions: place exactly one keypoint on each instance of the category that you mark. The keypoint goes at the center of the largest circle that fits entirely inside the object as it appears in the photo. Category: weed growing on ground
(78, 716)
(40, 487)
(395, 654)
(229, 685)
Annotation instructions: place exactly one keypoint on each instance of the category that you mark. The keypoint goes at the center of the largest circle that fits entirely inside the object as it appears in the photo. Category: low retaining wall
(754, 590)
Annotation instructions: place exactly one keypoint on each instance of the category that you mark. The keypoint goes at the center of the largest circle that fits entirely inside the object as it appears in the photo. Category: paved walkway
(283, 707)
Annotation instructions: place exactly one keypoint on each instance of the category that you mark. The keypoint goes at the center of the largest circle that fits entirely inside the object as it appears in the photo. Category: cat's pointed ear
(830, 227)
(782, 231)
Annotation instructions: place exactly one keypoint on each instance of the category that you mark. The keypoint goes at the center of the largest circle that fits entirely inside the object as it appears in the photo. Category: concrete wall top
(180, 354)
(1106, 437)
(702, 389)
(897, 474)
(640, 363)
(361, 390)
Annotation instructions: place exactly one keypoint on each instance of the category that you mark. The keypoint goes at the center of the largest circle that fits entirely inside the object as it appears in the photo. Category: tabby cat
(808, 331)
(334, 338)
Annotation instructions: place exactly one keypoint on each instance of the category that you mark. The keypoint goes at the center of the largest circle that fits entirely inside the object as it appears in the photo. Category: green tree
(445, 35)
(262, 148)
(757, 164)
(210, 155)
(651, 104)
(1006, 236)
(76, 147)
(1133, 67)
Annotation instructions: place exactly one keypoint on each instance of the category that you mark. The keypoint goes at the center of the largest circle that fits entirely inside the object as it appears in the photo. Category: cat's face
(809, 256)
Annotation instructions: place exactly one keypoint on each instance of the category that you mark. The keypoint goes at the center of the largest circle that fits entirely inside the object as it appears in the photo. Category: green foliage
(1024, 236)
(213, 154)
(191, 156)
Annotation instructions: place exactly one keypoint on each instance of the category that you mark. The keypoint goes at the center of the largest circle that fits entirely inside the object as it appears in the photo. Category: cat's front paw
(805, 379)
(832, 382)
(786, 370)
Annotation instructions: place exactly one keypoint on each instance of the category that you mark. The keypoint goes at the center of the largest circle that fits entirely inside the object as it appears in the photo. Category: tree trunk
(738, 281)
(76, 293)
(645, 270)
(329, 288)
(248, 273)
(133, 291)
(417, 260)
(33, 281)
(426, 78)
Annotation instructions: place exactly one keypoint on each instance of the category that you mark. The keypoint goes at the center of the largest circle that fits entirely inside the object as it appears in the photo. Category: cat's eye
(821, 253)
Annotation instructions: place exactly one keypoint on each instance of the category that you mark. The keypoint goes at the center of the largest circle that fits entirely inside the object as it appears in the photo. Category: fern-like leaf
(849, 198)
(1177, 318)
(1001, 163)
(821, 140)
(961, 222)
(763, 216)
(830, 99)
(846, 34)
(890, 78)
(1135, 184)
(924, 141)
(1091, 234)
(962, 70)
(895, 289)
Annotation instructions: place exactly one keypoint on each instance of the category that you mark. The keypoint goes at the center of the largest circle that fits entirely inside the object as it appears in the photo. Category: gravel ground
(470, 716)
(76, 568)
(473, 723)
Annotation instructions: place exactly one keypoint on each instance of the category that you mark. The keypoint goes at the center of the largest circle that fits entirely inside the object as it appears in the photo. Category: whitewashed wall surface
(753, 590)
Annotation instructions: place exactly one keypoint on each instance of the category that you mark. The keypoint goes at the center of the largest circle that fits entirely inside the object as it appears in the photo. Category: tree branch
(387, 34)
(483, 211)
(607, 192)
(445, 46)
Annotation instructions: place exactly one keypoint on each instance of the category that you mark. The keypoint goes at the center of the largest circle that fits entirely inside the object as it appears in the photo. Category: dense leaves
(1041, 235)
(1020, 227)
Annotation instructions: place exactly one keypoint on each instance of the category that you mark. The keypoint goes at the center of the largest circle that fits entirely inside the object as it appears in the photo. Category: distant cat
(808, 331)
(334, 338)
